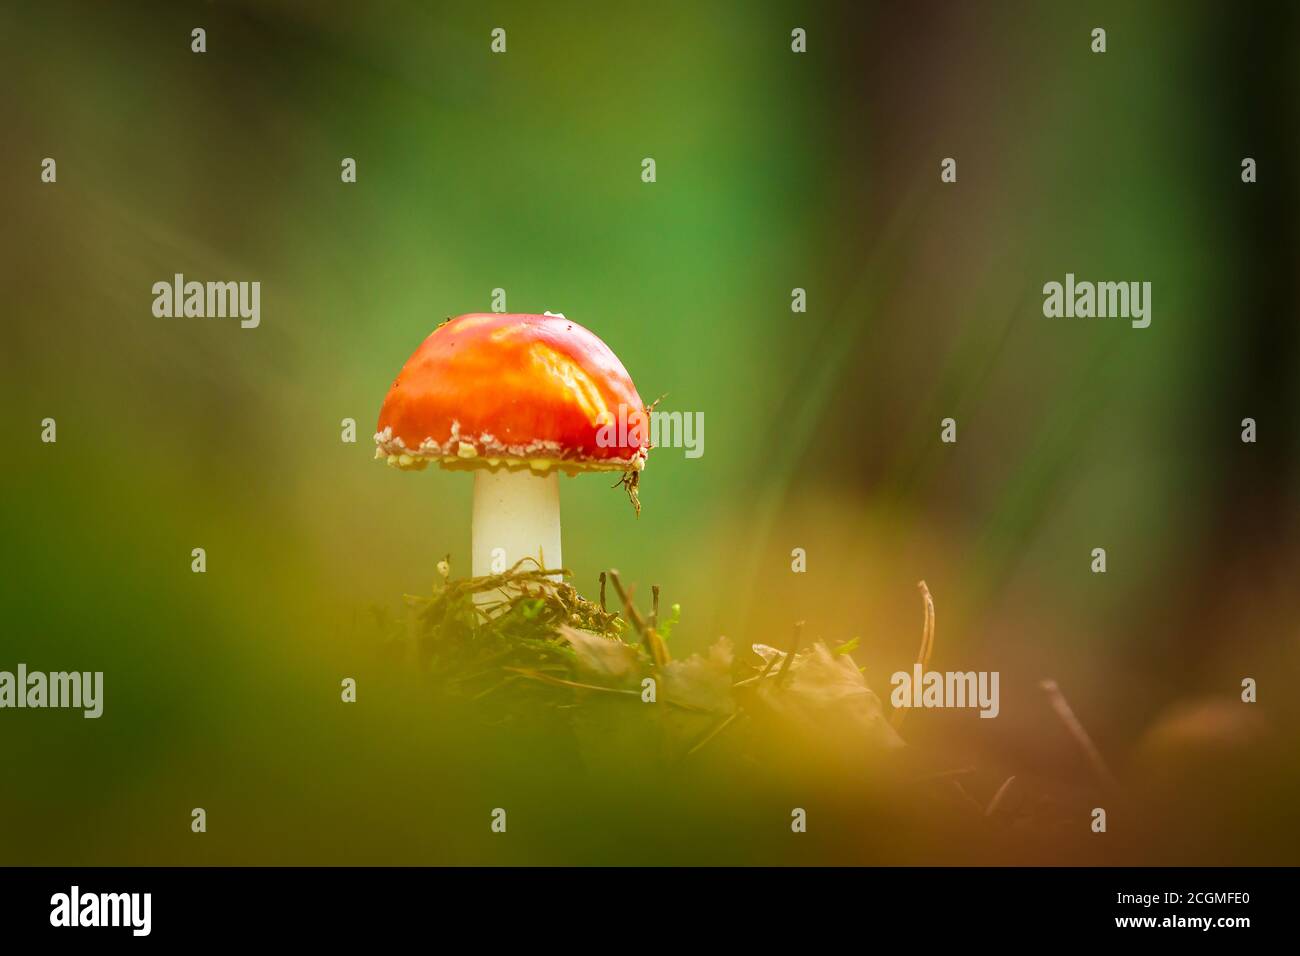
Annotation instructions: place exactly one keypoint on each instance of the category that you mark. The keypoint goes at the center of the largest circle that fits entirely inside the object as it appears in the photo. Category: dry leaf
(607, 660)
(826, 693)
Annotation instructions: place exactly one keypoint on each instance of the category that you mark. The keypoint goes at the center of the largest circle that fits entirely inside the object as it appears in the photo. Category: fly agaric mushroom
(517, 399)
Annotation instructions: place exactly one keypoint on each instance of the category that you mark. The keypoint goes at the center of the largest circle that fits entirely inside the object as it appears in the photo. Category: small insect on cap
(516, 391)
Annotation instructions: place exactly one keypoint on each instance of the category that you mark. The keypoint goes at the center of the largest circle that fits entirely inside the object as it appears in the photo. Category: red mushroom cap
(537, 391)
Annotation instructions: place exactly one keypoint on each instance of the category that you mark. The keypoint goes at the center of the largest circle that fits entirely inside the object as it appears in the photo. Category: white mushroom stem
(516, 516)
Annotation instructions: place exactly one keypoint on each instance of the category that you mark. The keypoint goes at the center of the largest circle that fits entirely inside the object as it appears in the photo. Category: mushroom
(516, 399)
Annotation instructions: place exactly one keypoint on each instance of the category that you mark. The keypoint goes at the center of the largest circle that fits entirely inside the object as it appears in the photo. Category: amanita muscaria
(517, 399)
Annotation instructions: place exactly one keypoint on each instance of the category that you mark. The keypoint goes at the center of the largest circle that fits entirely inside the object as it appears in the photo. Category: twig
(927, 637)
(1064, 711)
(757, 678)
(561, 682)
(784, 674)
(927, 647)
(722, 725)
(654, 606)
(767, 667)
(492, 687)
(997, 797)
(966, 793)
(654, 644)
(602, 591)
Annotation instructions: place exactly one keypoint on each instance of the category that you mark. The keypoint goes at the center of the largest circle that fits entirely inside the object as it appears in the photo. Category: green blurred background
(775, 170)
